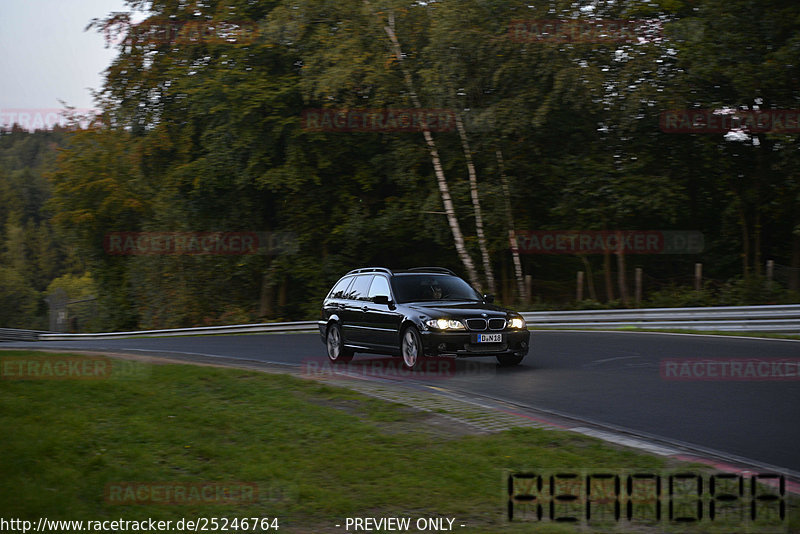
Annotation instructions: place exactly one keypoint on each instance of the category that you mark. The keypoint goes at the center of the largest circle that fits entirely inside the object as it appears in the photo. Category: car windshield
(429, 287)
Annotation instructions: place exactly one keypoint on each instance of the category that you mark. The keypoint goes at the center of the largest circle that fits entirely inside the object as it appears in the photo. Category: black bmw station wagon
(416, 313)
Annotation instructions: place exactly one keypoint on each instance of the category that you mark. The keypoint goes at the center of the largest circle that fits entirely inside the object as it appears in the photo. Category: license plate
(490, 338)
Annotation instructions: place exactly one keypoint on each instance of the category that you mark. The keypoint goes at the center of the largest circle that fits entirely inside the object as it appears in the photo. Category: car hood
(460, 309)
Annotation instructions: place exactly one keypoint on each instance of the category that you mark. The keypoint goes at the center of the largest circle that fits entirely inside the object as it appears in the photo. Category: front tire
(337, 352)
(509, 360)
(411, 349)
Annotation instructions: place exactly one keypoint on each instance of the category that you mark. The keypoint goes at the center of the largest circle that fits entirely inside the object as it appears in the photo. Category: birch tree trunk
(476, 205)
(512, 234)
(441, 180)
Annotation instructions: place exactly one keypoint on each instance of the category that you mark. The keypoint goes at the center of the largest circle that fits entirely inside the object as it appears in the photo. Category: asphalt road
(609, 378)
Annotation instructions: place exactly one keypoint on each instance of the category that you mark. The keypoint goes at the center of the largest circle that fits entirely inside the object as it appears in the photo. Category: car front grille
(497, 324)
(478, 325)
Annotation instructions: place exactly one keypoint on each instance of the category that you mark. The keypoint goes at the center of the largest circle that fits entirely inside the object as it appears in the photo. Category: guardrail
(296, 326)
(778, 319)
(13, 334)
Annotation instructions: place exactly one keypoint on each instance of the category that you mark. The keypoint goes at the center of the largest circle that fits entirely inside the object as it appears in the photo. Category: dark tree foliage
(204, 132)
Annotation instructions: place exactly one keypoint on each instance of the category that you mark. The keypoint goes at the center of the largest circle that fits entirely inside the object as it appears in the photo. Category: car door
(353, 310)
(381, 321)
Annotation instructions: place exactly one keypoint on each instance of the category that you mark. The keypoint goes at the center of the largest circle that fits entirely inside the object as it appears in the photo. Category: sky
(47, 57)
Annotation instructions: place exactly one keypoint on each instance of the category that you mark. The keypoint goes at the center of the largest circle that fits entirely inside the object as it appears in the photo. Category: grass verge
(317, 454)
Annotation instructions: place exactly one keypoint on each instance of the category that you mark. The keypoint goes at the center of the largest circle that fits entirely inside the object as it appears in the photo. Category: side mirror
(380, 299)
(488, 298)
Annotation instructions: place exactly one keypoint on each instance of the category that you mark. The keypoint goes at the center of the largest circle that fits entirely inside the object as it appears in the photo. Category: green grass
(318, 454)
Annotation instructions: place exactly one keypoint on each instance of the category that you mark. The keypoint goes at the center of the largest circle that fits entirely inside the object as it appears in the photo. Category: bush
(589, 304)
(754, 290)
(18, 301)
(675, 296)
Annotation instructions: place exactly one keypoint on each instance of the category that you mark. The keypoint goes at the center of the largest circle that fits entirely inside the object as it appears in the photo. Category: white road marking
(628, 442)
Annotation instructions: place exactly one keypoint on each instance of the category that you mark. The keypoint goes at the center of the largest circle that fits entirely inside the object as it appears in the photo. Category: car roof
(415, 270)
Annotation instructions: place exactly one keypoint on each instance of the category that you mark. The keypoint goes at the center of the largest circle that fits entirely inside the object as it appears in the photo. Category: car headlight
(517, 323)
(445, 324)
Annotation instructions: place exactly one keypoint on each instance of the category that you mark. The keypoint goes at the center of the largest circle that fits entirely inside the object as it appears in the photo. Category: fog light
(524, 344)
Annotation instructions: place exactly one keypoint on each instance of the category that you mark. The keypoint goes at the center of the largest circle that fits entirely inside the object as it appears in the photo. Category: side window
(358, 291)
(380, 286)
(340, 288)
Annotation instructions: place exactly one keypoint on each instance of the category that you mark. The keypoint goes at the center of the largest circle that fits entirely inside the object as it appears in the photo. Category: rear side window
(340, 288)
(359, 289)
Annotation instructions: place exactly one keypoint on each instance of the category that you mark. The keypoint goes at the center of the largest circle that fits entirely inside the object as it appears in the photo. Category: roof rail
(371, 270)
(433, 269)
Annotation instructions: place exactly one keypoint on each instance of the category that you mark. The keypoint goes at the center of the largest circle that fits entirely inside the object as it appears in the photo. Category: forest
(350, 133)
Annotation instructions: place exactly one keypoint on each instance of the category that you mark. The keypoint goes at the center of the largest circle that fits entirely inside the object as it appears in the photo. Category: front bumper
(464, 344)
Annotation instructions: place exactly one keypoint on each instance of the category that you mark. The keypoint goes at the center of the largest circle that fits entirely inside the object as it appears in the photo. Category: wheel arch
(405, 323)
(331, 320)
